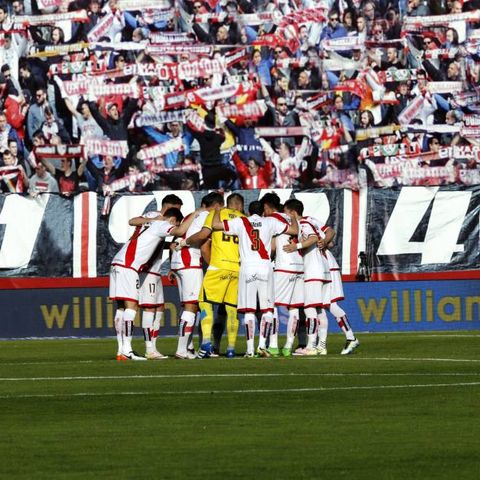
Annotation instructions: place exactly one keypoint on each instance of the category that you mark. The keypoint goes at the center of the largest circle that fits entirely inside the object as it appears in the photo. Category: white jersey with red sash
(187, 264)
(317, 271)
(286, 262)
(255, 235)
(138, 250)
(315, 261)
(288, 274)
(189, 257)
(335, 286)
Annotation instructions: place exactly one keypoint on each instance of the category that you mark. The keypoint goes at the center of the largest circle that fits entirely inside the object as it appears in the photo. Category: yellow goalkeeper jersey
(224, 251)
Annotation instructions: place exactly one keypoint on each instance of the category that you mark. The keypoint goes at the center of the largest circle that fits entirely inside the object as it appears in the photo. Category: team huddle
(274, 257)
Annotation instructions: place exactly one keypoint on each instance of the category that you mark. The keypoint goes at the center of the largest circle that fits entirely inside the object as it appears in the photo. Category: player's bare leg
(312, 326)
(218, 327)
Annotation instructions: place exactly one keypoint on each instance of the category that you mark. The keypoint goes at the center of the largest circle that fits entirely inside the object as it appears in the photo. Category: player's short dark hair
(272, 200)
(212, 198)
(295, 205)
(173, 212)
(255, 208)
(172, 199)
(234, 196)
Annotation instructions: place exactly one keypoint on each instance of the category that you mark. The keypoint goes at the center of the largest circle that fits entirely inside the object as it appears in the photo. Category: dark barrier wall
(371, 307)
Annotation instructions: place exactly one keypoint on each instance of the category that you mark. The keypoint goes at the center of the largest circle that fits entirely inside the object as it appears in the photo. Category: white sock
(274, 330)
(249, 321)
(147, 326)
(265, 327)
(187, 321)
(292, 326)
(118, 322)
(342, 320)
(156, 328)
(128, 319)
(311, 317)
(322, 328)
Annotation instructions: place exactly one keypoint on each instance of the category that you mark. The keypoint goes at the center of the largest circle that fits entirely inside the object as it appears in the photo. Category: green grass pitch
(405, 406)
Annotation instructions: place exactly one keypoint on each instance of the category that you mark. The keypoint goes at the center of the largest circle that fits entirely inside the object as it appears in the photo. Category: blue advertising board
(371, 307)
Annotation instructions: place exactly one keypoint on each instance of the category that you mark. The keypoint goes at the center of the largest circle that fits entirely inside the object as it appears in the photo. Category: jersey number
(255, 238)
(229, 238)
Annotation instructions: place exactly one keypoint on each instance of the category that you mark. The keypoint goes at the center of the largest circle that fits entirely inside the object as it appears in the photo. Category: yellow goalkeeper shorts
(220, 286)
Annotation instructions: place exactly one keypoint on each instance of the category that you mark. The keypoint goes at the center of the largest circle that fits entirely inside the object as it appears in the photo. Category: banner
(145, 119)
(115, 148)
(51, 18)
(404, 231)
(423, 229)
(161, 149)
(373, 307)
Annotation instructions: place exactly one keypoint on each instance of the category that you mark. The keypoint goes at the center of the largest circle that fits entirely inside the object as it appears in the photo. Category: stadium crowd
(125, 95)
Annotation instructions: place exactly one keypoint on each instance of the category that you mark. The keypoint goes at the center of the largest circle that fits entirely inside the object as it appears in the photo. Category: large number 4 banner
(423, 229)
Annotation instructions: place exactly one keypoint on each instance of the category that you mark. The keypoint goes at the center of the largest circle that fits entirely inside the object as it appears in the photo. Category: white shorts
(189, 282)
(334, 288)
(255, 282)
(151, 290)
(316, 293)
(288, 289)
(124, 284)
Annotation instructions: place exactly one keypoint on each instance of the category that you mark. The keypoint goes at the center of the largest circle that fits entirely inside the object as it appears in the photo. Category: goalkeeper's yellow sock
(232, 325)
(206, 319)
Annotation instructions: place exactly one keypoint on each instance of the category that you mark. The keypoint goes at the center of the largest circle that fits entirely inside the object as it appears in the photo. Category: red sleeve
(240, 166)
(267, 171)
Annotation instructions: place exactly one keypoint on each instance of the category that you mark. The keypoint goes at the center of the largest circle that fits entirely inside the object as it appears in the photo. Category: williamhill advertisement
(371, 307)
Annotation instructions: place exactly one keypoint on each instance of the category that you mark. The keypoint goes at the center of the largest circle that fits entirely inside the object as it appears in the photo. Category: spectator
(115, 124)
(254, 175)
(67, 177)
(42, 181)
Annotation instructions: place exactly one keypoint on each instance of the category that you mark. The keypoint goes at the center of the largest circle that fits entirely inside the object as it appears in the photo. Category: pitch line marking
(233, 375)
(322, 359)
(220, 392)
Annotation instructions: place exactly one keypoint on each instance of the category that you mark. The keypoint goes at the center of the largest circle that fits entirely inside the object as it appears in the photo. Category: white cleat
(350, 346)
(185, 356)
(305, 352)
(321, 351)
(155, 356)
(299, 352)
(132, 356)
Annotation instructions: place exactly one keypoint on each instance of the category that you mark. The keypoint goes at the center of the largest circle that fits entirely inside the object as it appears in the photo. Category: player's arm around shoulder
(198, 238)
(327, 240)
(291, 247)
(181, 230)
(217, 224)
(293, 228)
(144, 219)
